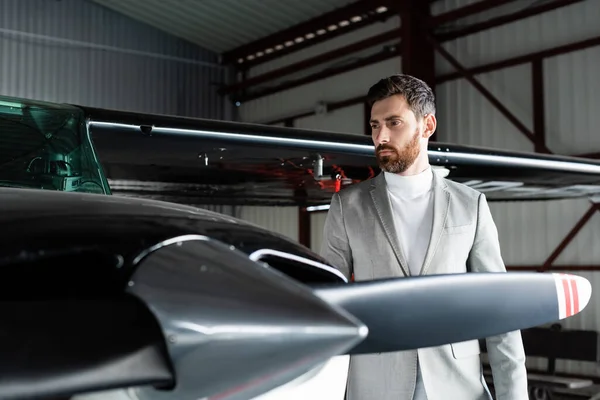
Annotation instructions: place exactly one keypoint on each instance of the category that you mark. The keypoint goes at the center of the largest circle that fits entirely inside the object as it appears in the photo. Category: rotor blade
(62, 347)
(425, 311)
(236, 328)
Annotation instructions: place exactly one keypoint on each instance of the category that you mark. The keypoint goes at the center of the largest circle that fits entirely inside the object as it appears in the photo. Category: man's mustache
(382, 147)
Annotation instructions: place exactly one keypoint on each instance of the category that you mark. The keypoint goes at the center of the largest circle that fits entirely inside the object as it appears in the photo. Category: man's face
(396, 133)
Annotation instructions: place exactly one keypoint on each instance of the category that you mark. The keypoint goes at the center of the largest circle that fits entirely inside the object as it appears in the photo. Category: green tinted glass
(47, 146)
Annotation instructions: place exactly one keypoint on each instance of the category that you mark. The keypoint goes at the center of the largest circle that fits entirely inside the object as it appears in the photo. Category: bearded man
(410, 221)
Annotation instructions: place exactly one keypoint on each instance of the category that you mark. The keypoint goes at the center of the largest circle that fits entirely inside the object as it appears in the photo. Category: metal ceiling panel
(221, 25)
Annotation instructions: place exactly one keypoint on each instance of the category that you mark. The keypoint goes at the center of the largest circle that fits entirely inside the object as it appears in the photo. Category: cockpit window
(46, 146)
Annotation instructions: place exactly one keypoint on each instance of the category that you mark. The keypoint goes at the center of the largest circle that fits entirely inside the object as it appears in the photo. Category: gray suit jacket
(359, 237)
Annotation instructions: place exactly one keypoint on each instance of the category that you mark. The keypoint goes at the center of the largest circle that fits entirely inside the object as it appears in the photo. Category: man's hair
(418, 94)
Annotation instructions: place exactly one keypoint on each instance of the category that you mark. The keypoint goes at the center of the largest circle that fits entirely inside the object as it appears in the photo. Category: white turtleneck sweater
(411, 198)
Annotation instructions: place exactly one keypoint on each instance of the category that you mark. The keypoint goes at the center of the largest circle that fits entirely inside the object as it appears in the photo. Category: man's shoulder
(462, 191)
(356, 189)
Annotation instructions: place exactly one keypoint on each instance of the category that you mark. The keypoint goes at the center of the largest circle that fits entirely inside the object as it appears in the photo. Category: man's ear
(429, 124)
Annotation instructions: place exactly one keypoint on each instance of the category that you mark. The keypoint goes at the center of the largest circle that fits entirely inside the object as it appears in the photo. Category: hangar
(505, 73)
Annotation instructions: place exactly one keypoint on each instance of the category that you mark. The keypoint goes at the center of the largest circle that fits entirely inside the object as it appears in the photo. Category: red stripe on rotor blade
(567, 289)
(573, 284)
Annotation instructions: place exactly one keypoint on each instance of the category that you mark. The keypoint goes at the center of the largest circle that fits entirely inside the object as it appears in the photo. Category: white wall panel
(572, 101)
(465, 116)
(562, 26)
(282, 220)
(571, 90)
(231, 211)
(530, 231)
(317, 222)
(305, 98)
(346, 120)
(79, 52)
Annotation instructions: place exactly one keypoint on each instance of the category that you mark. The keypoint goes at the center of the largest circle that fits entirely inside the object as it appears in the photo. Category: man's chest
(381, 242)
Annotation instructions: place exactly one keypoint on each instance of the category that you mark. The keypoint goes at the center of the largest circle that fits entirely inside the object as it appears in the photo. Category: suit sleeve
(505, 352)
(335, 247)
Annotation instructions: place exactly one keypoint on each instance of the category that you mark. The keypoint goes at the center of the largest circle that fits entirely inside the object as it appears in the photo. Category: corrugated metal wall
(282, 220)
(571, 88)
(79, 52)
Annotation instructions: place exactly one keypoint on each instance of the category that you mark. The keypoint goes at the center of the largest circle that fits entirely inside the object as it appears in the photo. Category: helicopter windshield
(47, 146)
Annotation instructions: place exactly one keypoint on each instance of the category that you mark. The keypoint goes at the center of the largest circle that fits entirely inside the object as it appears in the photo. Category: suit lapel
(381, 200)
(441, 203)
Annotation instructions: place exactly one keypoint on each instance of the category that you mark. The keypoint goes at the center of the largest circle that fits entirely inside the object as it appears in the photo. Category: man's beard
(399, 161)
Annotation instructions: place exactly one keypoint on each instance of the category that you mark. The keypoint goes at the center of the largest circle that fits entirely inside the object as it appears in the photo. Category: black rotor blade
(425, 311)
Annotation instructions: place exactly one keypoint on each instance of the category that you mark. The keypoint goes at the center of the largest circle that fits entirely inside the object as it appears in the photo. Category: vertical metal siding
(530, 231)
(222, 24)
(346, 120)
(231, 211)
(570, 85)
(281, 220)
(466, 117)
(572, 100)
(317, 223)
(550, 29)
(78, 52)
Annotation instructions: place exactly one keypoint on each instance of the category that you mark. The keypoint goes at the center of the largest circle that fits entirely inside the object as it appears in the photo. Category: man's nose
(384, 135)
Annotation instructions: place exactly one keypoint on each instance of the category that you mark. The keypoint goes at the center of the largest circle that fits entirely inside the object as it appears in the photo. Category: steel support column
(418, 56)
(539, 113)
(304, 236)
(303, 220)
